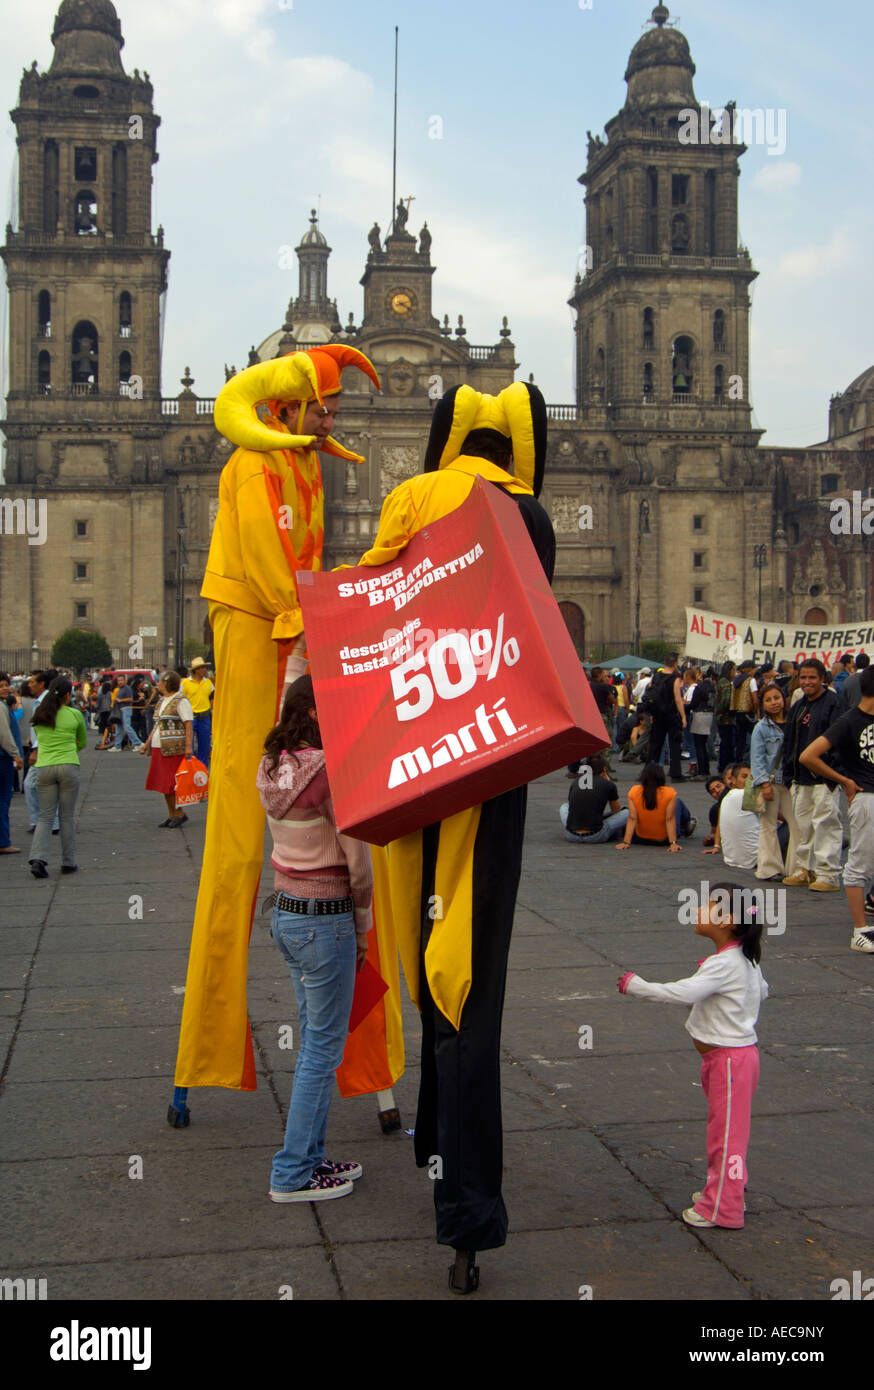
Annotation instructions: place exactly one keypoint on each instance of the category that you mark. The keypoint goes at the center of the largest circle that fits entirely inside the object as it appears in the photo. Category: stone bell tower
(662, 330)
(86, 274)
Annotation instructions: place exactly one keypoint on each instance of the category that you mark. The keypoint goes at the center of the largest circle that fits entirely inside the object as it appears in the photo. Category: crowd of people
(788, 745)
(44, 719)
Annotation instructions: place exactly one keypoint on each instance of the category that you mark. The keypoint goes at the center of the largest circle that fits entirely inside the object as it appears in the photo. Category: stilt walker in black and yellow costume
(453, 885)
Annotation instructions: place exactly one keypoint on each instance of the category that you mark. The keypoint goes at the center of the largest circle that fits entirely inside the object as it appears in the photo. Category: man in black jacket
(813, 798)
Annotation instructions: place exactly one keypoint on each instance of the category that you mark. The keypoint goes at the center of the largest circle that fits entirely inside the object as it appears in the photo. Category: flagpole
(394, 157)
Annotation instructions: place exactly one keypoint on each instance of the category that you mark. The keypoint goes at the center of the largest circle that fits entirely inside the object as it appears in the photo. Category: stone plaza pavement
(603, 1144)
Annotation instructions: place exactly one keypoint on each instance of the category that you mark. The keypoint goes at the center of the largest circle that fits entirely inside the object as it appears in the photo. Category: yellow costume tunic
(453, 885)
(270, 523)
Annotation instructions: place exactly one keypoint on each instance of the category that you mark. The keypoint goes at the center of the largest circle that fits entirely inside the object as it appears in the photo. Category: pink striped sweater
(310, 856)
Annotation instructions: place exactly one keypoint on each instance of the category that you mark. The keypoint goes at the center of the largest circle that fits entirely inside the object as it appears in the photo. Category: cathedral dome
(87, 38)
(863, 384)
(313, 237)
(660, 68)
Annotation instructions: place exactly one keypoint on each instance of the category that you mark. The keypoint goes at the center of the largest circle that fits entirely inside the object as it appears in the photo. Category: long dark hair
(760, 699)
(47, 711)
(296, 728)
(748, 931)
(652, 777)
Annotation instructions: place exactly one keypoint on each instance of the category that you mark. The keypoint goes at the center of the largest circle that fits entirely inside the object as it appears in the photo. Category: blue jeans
(203, 735)
(58, 791)
(125, 727)
(7, 779)
(320, 953)
(611, 828)
(31, 798)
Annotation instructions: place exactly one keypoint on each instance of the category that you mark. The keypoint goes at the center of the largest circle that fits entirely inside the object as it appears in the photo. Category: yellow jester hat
(518, 413)
(299, 376)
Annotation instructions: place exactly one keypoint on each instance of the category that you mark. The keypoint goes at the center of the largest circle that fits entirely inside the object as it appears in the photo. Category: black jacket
(807, 721)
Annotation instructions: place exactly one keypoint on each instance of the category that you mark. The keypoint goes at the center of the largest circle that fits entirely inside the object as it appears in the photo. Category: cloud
(776, 178)
(815, 262)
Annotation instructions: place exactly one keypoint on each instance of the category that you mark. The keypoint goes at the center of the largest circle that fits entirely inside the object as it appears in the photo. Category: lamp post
(181, 563)
(642, 530)
(760, 562)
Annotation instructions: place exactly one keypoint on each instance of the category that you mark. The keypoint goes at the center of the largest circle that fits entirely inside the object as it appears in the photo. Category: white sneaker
(862, 941)
(696, 1197)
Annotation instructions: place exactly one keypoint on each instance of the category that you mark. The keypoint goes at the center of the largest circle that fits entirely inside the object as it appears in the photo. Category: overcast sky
(269, 107)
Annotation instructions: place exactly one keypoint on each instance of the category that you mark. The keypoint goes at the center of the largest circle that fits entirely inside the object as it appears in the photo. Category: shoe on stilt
(464, 1274)
(39, 868)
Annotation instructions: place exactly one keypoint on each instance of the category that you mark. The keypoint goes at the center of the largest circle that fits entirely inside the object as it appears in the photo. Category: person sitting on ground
(717, 788)
(737, 831)
(655, 813)
(583, 814)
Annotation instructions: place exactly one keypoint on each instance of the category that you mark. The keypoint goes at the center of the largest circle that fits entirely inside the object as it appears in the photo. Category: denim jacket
(766, 752)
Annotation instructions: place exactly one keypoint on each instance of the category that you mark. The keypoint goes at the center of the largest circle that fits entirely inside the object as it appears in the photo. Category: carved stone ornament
(397, 462)
(565, 513)
(401, 378)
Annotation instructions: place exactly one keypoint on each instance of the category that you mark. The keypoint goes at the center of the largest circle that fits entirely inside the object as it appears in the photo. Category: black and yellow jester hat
(298, 376)
(518, 413)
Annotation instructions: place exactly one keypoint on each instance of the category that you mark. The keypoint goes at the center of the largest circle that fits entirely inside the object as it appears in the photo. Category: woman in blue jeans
(322, 912)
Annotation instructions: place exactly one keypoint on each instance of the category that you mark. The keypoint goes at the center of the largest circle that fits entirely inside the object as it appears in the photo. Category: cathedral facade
(659, 490)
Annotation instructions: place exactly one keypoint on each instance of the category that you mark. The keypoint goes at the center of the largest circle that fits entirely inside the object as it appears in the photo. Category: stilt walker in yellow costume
(455, 959)
(270, 524)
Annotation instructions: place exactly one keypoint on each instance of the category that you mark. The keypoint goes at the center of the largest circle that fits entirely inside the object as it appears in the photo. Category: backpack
(171, 728)
(742, 698)
(658, 698)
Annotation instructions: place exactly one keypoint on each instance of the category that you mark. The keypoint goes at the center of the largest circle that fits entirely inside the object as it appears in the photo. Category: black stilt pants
(459, 1112)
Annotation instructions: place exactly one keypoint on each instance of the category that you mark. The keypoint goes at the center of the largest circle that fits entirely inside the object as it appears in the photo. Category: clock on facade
(401, 302)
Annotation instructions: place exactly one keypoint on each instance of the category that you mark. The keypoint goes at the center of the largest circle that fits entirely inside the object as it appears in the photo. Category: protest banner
(718, 637)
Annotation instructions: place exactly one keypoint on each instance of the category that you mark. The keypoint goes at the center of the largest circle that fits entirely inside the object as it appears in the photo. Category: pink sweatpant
(729, 1076)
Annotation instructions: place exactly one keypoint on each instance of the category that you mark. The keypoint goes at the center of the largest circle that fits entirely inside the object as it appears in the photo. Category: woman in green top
(59, 731)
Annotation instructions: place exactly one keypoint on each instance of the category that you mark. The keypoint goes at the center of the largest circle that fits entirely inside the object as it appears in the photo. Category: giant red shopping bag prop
(445, 677)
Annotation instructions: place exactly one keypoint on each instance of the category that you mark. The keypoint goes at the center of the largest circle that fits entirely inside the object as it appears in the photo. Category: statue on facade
(373, 238)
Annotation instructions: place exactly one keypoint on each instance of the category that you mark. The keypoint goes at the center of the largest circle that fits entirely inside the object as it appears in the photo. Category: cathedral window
(711, 211)
(80, 529)
(85, 164)
(44, 373)
(80, 570)
(698, 560)
(86, 93)
(598, 379)
(829, 482)
(679, 189)
(85, 222)
(125, 315)
(648, 328)
(81, 612)
(124, 372)
(50, 186)
(681, 366)
(680, 234)
(84, 372)
(119, 190)
(44, 314)
(718, 383)
(647, 380)
(719, 329)
(698, 597)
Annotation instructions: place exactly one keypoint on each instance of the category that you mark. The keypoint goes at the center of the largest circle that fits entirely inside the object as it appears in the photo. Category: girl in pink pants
(725, 993)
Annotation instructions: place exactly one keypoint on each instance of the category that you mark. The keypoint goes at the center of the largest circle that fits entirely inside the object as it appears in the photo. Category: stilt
(464, 1274)
(389, 1115)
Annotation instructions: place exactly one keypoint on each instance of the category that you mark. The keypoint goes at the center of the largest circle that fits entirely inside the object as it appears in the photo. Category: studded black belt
(313, 907)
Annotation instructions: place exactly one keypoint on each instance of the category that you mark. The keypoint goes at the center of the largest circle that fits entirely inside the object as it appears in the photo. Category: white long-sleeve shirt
(726, 992)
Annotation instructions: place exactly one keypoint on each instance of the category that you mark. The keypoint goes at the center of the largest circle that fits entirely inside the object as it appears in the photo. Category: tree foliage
(81, 651)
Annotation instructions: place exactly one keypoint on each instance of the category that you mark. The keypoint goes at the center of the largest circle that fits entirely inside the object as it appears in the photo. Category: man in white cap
(200, 691)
